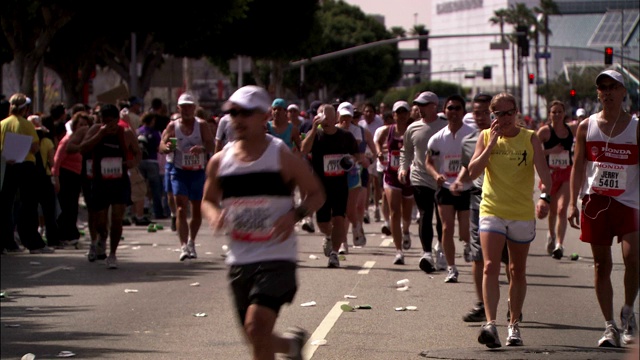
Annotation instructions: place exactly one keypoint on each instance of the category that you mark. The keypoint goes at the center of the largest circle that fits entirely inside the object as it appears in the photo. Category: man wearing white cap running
(193, 142)
(249, 192)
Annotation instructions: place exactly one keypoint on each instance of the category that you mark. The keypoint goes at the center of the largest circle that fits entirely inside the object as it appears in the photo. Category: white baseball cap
(401, 105)
(426, 97)
(612, 74)
(293, 107)
(250, 97)
(345, 108)
(186, 99)
(581, 112)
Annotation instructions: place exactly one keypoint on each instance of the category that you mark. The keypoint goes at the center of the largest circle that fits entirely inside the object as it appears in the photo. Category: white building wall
(468, 17)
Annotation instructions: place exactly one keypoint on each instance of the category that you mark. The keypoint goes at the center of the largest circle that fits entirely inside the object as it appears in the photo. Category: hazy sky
(396, 12)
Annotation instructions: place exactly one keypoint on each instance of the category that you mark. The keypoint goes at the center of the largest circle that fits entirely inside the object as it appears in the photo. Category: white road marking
(42, 273)
(323, 329)
(386, 243)
(366, 267)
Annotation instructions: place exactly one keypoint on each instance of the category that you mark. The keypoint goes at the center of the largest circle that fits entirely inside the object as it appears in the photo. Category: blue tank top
(284, 136)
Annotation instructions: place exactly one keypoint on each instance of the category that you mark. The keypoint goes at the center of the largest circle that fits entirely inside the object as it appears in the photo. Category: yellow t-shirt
(507, 191)
(19, 125)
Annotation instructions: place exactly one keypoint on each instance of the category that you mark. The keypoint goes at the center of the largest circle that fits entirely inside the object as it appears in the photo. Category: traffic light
(608, 55)
(486, 72)
(572, 98)
(531, 78)
(423, 44)
(523, 40)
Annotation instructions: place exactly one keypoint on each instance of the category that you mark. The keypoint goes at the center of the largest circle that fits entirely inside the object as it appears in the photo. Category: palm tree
(519, 15)
(547, 7)
(499, 18)
(398, 31)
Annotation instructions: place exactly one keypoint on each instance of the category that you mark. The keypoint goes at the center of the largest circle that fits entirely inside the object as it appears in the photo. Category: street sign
(499, 46)
(543, 55)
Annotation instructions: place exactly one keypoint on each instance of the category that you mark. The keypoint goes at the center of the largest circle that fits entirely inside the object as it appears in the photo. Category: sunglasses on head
(240, 112)
(454, 108)
(505, 113)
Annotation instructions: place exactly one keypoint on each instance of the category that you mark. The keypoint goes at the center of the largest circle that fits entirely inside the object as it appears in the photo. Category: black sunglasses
(240, 112)
(503, 113)
(454, 108)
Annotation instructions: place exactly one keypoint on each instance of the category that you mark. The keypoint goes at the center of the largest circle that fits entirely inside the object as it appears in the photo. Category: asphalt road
(61, 302)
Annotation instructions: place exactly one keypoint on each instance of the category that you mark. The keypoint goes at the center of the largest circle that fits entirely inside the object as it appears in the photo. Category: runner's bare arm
(577, 174)
(212, 194)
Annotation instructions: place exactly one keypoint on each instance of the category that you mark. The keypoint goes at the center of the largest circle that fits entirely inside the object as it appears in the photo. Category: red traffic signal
(572, 93)
(608, 55)
(531, 78)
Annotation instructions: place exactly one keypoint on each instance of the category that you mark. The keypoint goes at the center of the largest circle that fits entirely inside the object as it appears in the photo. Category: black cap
(313, 108)
(482, 97)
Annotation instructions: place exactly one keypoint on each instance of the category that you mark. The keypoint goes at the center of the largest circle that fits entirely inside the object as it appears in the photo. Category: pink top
(62, 159)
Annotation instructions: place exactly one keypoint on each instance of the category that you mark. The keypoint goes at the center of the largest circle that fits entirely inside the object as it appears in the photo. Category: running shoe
(344, 249)
(376, 215)
(426, 264)
(406, 241)
(191, 248)
(452, 276)
(173, 223)
(489, 336)
(327, 246)
(299, 337)
(42, 250)
(91, 255)
(112, 262)
(467, 251)
(308, 226)
(441, 262)
(557, 252)
(386, 229)
(101, 249)
(359, 239)
(399, 260)
(334, 262)
(476, 314)
(551, 243)
(514, 338)
(611, 337)
(184, 252)
(629, 325)
(366, 218)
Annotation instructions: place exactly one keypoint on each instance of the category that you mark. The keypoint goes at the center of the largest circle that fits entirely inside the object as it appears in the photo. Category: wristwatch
(546, 197)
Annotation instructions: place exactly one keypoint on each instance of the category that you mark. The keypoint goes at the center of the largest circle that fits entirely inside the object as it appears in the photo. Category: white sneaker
(399, 260)
(327, 246)
(551, 244)
(344, 249)
(513, 337)
(184, 252)
(191, 248)
(611, 337)
(629, 325)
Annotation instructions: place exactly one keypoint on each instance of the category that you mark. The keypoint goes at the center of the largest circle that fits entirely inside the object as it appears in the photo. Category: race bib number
(452, 165)
(559, 161)
(610, 179)
(249, 219)
(192, 161)
(111, 168)
(394, 160)
(89, 168)
(331, 165)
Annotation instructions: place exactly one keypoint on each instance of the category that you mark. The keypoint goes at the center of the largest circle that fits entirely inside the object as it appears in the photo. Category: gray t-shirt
(414, 151)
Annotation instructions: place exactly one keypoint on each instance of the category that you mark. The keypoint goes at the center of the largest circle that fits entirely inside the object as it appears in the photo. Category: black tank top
(567, 142)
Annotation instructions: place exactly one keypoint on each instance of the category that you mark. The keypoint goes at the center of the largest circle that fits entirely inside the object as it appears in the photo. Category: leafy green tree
(499, 18)
(364, 72)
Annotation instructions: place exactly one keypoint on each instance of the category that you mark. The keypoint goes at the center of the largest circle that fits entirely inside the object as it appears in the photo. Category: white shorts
(520, 231)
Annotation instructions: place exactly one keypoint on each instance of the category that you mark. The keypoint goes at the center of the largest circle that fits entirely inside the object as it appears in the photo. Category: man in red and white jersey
(605, 176)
